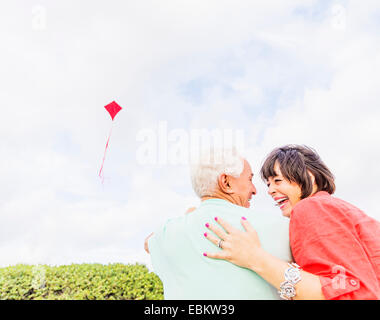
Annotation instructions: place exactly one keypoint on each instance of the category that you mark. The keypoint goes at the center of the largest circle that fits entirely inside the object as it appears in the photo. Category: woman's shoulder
(319, 199)
(321, 205)
(324, 207)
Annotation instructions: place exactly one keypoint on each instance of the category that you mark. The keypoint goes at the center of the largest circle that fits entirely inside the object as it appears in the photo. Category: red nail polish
(216, 218)
(205, 234)
(205, 254)
(207, 225)
(244, 218)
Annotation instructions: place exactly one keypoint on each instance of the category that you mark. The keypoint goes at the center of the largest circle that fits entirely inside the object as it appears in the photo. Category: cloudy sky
(289, 71)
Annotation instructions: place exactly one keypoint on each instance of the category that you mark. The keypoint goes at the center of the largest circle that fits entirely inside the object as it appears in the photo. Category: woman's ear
(312, 177)
(224, 183)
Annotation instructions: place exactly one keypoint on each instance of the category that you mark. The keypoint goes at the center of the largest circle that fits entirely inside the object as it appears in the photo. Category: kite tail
(104, 156)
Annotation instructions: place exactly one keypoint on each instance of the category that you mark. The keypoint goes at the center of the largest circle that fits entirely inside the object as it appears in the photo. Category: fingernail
(205, 234)
(244, 218)
(205, 254)
(207, 225)
(216, 218)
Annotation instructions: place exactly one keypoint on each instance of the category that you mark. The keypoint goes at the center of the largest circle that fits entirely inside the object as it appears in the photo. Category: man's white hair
(211, 164)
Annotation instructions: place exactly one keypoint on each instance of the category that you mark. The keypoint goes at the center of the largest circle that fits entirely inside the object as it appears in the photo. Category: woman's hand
(239, 247)
(146, 247)
(190, 210)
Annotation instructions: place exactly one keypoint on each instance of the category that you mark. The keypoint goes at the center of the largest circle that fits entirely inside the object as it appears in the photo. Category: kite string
(104, 156)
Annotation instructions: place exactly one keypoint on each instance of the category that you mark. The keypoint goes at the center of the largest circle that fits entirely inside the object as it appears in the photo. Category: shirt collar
(215, 201)
(320, 194)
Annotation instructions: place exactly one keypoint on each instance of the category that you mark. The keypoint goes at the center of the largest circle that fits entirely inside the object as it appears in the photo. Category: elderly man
(224, 185)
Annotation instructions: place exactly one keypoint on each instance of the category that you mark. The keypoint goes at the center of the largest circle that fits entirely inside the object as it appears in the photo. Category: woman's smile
(281, 202)
(284, 192)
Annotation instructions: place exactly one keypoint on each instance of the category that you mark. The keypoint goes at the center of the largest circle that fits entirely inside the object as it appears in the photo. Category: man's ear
(224, 182)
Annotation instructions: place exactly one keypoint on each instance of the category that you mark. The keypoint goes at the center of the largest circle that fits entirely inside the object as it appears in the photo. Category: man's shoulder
(168, 232)
(173, 222)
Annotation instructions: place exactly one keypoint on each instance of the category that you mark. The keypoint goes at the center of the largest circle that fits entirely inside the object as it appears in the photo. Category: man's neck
(222, 196)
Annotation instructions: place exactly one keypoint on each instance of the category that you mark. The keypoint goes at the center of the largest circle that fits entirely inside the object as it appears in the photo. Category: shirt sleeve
(161, 247)
(324, 243)
(157, 251)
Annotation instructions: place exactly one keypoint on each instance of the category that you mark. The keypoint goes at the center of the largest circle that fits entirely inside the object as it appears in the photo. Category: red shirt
(338, 242)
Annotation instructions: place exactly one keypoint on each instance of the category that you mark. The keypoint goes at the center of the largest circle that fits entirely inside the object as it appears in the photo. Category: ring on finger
(220, 244)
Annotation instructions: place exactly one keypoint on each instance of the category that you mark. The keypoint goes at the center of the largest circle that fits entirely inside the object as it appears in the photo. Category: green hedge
(80, 282)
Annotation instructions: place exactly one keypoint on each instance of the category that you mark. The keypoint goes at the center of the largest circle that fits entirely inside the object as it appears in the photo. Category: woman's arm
(272, 269)
(244, 249)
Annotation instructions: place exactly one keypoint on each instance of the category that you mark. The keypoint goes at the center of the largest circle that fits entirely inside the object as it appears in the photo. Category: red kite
(113, 109)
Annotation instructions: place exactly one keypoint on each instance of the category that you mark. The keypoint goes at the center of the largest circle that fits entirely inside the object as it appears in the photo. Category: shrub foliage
(80, 282)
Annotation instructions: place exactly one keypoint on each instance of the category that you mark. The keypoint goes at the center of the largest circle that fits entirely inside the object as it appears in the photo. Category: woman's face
(285, 193)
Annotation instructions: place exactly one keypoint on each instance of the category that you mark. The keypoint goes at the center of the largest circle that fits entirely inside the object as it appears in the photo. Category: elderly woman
(223, 182)
(336, 246)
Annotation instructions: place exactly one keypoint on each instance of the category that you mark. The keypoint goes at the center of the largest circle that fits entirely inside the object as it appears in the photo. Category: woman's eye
(277, 180)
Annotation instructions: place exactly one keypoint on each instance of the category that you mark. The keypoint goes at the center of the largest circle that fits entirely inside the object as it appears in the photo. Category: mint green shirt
(177, 255)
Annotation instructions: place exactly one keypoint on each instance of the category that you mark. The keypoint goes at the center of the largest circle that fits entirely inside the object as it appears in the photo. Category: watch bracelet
(292, 277)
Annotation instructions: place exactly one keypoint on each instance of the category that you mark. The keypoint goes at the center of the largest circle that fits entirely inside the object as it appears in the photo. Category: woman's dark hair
(295, 161)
